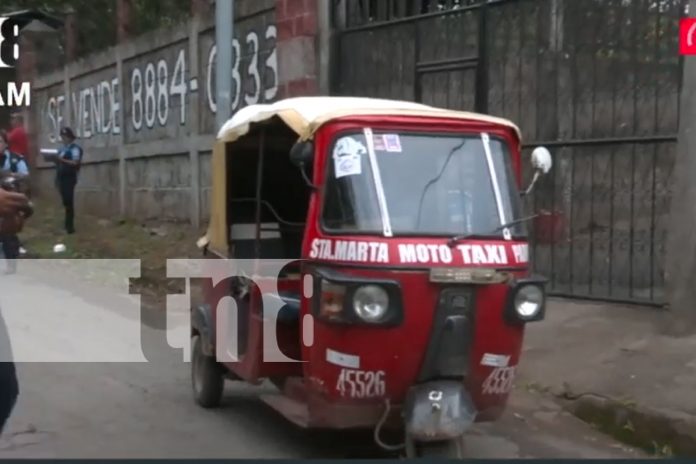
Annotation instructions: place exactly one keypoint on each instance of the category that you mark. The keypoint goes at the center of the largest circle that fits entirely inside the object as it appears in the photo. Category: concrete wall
(145, 113)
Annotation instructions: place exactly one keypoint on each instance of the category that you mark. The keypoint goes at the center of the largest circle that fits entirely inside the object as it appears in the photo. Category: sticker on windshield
(347, 157)
(379, 143)
(392, 143)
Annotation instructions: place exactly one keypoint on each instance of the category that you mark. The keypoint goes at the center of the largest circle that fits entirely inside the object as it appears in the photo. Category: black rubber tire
(207, 379)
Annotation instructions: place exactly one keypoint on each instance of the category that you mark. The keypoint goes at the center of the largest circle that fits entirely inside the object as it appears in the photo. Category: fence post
(680, 264)
(195, 109)
(482, 65)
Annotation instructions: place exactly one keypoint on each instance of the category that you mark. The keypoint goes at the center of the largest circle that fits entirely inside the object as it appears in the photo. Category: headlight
(529, 301)
(371, 303)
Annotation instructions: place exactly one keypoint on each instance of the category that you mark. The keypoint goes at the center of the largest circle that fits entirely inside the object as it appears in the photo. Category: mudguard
(438, 411)
(202, 322)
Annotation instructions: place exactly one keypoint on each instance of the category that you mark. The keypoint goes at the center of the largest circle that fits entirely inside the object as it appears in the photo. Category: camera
(13, 183)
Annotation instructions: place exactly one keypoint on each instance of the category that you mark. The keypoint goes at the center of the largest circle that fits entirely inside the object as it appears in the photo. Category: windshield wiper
(434, 180)
(454, 240)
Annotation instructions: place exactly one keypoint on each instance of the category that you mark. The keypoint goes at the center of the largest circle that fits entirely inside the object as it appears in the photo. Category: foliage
(96, 19)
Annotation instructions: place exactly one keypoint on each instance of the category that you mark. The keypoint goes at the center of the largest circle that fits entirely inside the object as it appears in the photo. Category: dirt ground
(99, 238)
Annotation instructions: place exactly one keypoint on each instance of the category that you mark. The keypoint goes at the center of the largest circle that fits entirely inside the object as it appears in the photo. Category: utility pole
(224, 35)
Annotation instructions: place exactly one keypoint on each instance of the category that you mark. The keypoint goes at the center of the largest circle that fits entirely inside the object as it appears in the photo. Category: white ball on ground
(59, 248)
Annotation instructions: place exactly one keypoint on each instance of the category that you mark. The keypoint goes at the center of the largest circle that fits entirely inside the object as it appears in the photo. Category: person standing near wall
(17, 136)
(67, 169)
(18, 143)
(13, 164)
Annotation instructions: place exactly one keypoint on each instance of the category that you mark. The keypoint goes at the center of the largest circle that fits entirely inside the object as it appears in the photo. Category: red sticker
(687, 36)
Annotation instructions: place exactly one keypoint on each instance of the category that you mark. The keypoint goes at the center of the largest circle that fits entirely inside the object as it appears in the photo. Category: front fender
(438, 411)
(202, 323)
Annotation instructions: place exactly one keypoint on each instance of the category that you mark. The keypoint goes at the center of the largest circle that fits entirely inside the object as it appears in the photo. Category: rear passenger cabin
(268, 198)
(267, 205)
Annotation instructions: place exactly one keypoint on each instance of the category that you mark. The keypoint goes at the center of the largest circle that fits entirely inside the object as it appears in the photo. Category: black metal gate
(596, 81)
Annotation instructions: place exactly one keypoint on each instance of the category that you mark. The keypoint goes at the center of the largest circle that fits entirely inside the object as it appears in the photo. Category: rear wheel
(450, 449)
(206, 376)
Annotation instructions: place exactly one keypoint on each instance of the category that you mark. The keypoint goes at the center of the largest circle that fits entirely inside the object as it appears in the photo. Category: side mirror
(542, 164)
(302, 154)
(541, 160)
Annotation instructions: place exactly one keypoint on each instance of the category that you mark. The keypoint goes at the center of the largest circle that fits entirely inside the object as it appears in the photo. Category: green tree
(96, 19)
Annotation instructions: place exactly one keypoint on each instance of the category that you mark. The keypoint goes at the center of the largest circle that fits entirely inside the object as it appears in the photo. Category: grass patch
(654, 435)
(96, 238)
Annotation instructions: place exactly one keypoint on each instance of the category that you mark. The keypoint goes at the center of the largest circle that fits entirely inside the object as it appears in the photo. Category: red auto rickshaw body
(350, 375)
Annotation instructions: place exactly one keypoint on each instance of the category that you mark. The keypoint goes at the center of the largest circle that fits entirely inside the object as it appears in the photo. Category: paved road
(128, 410)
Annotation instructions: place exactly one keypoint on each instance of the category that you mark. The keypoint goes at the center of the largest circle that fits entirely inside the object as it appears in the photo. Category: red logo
(687, 36)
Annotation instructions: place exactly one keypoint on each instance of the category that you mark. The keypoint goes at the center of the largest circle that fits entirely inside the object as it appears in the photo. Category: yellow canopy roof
(304, 116)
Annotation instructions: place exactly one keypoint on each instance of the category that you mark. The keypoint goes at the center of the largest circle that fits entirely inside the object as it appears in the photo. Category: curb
(659, 433)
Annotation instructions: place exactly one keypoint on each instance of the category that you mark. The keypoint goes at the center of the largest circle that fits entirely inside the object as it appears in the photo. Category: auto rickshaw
(408, 221)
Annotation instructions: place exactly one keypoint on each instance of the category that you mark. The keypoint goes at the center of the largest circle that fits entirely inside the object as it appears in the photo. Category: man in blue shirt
(67, 168)
(11, 163)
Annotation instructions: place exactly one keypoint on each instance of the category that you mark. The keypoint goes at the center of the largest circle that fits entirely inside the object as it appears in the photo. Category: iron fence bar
(612, 212)
(417, 83)
(653, 199)
(612, 185)
(656, 128)
(481, 98)
(556, 63)
(590, 268)
(448, 51)
(536, 112)
(632, 230)
(553, 241)
(571, 221)
(604, 141)
(445, 68)
(437, 64)
(574, 128)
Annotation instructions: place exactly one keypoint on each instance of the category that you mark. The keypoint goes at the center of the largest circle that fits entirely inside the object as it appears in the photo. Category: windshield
(433, 185)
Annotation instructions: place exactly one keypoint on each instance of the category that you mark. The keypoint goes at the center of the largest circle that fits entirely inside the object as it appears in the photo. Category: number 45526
(361, 384)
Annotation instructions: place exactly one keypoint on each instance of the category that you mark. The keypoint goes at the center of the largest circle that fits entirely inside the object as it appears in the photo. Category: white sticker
(343, 360)
(392, 142)
(361, 384)
(495, 360)
(379, 143)
(500, 381)
(347, 157)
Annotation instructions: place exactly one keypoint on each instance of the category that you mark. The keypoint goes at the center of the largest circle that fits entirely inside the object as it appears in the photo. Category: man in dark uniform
(67, 168)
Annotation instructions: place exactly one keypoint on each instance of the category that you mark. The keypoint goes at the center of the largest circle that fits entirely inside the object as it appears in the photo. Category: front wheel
(450, 449)
(206, 376)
